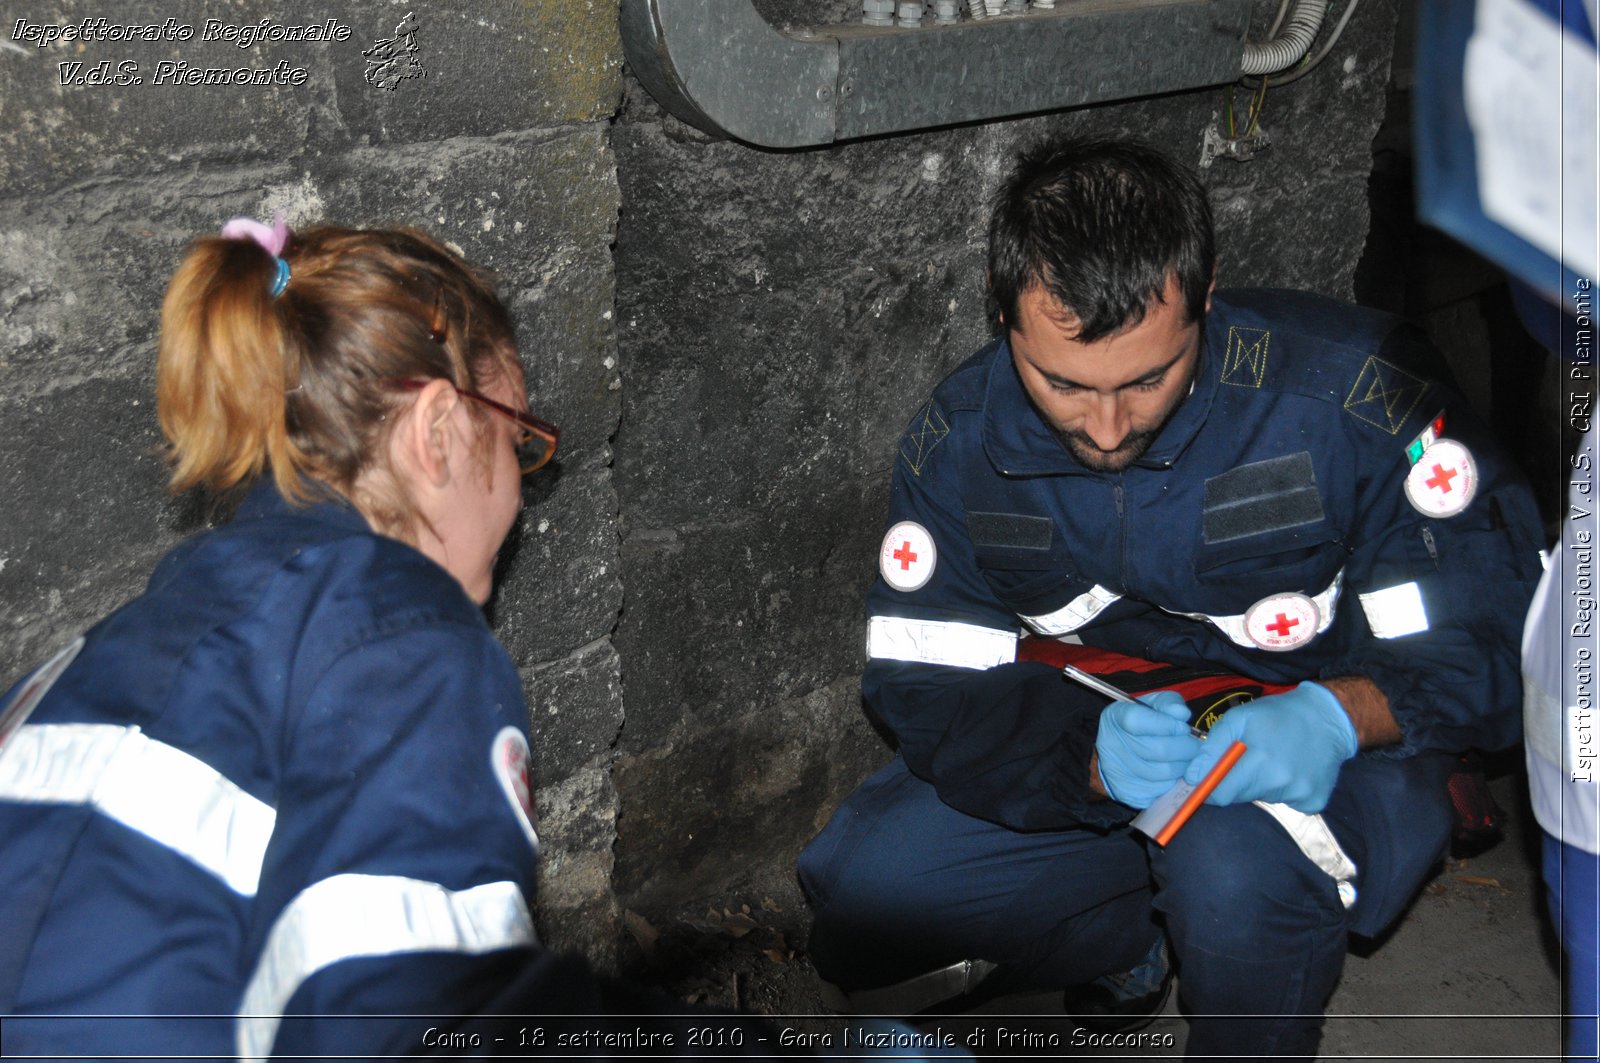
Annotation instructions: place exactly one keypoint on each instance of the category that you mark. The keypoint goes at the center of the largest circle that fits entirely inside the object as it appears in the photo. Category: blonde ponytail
(300, 384)
(221, 373)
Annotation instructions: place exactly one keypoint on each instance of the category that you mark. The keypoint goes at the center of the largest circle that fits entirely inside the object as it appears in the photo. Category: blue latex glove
(1144, 751)
(1296, 740)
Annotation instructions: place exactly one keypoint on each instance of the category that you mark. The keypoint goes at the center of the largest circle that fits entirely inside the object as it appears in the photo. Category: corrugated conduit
(1288, 48)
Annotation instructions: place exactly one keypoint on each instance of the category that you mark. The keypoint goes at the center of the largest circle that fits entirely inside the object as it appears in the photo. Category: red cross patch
(1282, 622)
(907, 556)
(1443, 481)
(510, 759)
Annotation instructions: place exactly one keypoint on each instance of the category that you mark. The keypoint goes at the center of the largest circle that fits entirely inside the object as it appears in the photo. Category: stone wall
(501, 148)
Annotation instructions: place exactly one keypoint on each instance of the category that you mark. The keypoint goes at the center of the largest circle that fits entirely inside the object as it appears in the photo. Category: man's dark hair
(1100, 224)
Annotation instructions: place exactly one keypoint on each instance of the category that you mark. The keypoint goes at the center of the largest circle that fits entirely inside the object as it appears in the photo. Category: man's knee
(812, 869)
(833, 876)
(872, 925)
(900, 883)
(1232, 880)
(1394, 817)
(848, 867)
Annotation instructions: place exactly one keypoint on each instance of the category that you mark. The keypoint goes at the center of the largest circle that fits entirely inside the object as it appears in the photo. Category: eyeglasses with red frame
(536, 438)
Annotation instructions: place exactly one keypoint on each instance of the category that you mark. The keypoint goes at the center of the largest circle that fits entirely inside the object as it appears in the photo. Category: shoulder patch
(1443, 482)
(1282, 622)
(510, 761)
(907, 557)
(927, 430)
(1244, 363)
(1384, 395)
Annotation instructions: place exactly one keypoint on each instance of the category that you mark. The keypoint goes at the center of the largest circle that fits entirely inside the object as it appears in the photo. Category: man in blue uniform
(1263, 482)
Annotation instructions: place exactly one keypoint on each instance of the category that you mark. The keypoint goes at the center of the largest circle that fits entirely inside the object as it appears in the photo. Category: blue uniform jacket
(288, 778)
(1282, 474)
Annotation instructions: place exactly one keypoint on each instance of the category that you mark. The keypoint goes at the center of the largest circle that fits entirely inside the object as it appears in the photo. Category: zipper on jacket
(1122, 532)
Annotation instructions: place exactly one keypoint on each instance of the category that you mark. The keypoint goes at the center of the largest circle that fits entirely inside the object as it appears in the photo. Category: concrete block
(762, 341)
(86, 515)
(83, 271)
(712, 809)
(575, 711)
(577, 910)
(560, 583)
(175, 101)
(722, 621)
(488, 69)
(565, 329)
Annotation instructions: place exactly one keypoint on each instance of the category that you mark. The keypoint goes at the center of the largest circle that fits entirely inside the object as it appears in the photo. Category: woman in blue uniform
(290, 779)
(278, 805)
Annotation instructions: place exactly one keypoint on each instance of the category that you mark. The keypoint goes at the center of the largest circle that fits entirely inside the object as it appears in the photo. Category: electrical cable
(1257, 105)
(1311, 64)
(1283, 9)
(1284, 50)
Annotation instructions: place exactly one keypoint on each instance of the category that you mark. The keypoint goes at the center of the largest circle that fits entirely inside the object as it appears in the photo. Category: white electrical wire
(1283, 9)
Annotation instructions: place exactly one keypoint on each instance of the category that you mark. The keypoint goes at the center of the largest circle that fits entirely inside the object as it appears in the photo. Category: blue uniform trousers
(901, 883)
(1572, 879)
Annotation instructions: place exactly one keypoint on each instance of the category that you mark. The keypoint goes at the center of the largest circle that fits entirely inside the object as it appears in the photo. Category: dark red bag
(1209, 692)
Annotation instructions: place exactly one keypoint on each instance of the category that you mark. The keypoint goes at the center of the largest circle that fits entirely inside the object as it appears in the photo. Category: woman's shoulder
(346, 566)
(319, 568)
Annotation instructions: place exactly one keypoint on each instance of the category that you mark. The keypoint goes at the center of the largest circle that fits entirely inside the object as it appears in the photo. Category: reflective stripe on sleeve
(894, 638)
(1076, 613)
(170, 796)
(1395, 611)
(1234, 627)
(347, 917)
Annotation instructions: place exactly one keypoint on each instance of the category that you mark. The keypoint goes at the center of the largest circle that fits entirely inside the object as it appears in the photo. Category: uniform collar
(264, 501)
(1019, 442)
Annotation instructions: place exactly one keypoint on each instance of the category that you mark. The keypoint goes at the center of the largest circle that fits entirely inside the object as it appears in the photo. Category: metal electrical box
(721, 67)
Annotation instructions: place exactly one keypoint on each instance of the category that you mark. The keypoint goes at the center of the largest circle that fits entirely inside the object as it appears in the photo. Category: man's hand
(1143, 750)
(1296, 740)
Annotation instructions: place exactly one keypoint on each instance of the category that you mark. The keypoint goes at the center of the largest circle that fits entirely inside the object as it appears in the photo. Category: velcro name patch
(1263, 496)
(1017, 530)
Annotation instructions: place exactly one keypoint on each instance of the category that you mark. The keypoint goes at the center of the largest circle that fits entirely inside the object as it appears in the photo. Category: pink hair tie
(271, 240)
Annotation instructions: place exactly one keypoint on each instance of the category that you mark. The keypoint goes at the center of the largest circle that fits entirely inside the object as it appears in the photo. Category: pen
(1196, 797)
(1099, 685)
